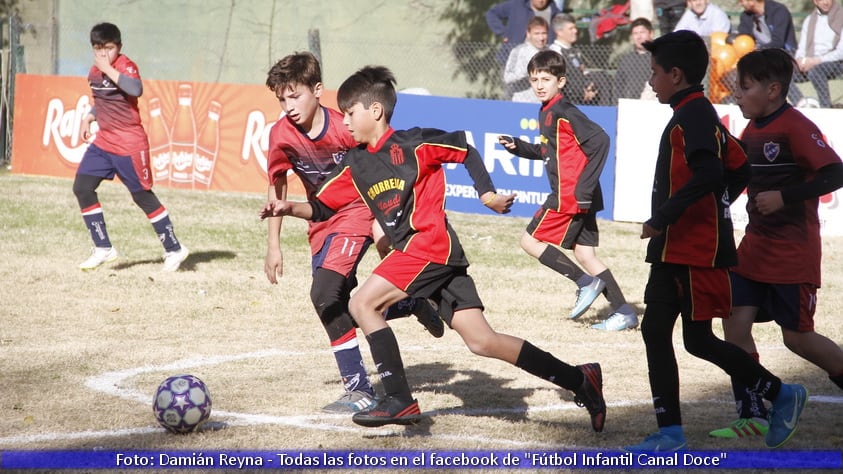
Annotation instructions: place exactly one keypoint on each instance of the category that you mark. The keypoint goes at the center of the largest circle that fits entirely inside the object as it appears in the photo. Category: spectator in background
(668, 13)
(819, 56)
(508, 21)
(769, 23)
(583, 86)
(704, 18)
(515, 77)
(633, 74)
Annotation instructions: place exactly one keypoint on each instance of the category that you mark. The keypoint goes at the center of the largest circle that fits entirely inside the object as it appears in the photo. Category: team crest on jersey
(396, 154)
(338, 156)
(771, 151)
(548, 120)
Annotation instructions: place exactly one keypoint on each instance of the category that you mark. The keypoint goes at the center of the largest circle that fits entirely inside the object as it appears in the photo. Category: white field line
(110, 383)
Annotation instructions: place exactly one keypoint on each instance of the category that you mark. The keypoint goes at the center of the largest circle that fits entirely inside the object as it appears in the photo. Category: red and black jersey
(698, 166)
(574, 150)
(785, 149)
(402, 182)
(118, 118)
(313, 159)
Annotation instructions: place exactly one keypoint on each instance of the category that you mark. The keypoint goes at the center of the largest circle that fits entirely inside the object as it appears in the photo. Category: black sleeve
(828, 179)
(477, 170)
(321, 212)
(526, 150)
(596, 149)
(736, 181)
(707, 177)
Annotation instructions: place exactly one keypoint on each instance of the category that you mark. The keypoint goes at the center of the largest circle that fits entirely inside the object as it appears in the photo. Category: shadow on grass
(189, 265)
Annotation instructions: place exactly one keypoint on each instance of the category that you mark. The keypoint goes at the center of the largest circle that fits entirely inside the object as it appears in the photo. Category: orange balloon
(726, 57)
(718, 38)
(743, 44)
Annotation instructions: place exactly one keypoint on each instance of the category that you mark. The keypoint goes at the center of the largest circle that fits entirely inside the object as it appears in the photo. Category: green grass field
(81, 354)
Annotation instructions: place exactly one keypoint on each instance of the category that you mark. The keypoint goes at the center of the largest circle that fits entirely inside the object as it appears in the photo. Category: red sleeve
(277, 162)
(339, 190)
(127, 67)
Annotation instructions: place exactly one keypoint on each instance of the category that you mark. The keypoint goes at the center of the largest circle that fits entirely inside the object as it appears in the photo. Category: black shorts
(791, 306)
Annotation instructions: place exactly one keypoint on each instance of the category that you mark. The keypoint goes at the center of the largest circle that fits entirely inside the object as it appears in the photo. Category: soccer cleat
(586, 295)
(590, 394)
(351, 402)
(389, 411)
(742, 428)
(172, 260)
(784, 414)
(428, 316)
(617, 322)
(659, 442)
(99, 256)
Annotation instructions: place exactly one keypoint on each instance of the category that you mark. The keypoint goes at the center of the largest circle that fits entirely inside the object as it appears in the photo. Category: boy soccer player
(311, 140)
(699, 171)
(778, 271)
(399, 175)
(574, 150)
(120, 148)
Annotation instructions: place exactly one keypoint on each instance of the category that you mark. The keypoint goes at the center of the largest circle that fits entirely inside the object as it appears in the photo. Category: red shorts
(791, 306)
(564, 230)
(449, 286)
(341, 253)
(699, 293)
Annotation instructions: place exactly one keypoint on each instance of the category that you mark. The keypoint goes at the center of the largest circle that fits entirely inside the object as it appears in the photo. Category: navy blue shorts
(133, 170)
(791, 306)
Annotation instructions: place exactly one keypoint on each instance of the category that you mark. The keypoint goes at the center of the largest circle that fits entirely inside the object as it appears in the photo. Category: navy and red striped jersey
(699, 164)
(313, 160)
(402, 181)
(120, 129)
(784, 150)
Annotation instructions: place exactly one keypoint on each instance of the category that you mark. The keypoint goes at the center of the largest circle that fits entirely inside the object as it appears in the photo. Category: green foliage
(474, 46)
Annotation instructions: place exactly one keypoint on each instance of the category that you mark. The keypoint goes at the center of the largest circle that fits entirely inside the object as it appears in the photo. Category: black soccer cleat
(428, 316)
(389, 411)
(590, 394)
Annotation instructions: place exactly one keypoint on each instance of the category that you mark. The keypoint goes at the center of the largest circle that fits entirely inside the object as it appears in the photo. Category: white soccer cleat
(99, 256)
(172, 260)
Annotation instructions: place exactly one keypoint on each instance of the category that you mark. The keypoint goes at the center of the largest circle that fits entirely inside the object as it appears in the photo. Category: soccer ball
(182, 403)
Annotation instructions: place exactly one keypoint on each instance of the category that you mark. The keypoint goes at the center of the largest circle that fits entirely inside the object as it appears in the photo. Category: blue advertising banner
(484, 120)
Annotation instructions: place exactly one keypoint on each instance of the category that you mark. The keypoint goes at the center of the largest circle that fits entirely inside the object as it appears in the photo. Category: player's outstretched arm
(281, 207)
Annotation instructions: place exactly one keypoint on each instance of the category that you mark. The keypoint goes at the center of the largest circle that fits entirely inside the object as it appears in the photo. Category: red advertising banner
(201, 135)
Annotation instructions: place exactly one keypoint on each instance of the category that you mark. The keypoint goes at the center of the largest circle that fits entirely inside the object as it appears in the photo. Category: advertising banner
(640, 125)
(206, 136)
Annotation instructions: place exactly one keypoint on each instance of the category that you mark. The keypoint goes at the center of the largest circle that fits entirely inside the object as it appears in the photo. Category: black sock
(837, 379)
(557, 261)
(388, 363)
(543, 364)
(612, 292)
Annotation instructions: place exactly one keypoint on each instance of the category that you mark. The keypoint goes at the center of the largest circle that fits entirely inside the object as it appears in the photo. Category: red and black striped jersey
(784, 150)
(699, 164)
(118, 118)
(574, 151)
(402, 182)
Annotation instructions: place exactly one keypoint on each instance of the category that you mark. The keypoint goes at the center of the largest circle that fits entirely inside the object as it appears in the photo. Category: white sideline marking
(110, 383)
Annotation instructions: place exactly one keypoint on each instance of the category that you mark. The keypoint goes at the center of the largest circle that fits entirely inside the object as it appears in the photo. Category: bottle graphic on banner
(207, 148)
(183, 140)
(159, 143)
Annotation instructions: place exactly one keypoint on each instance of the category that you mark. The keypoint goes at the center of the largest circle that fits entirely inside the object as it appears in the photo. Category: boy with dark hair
(400, 177)
(311, 140)
(574, 150)
(699, 171)
(778, 271)
(120, 148)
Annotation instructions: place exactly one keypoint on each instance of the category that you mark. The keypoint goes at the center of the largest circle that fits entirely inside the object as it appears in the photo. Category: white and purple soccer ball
(182, 403)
